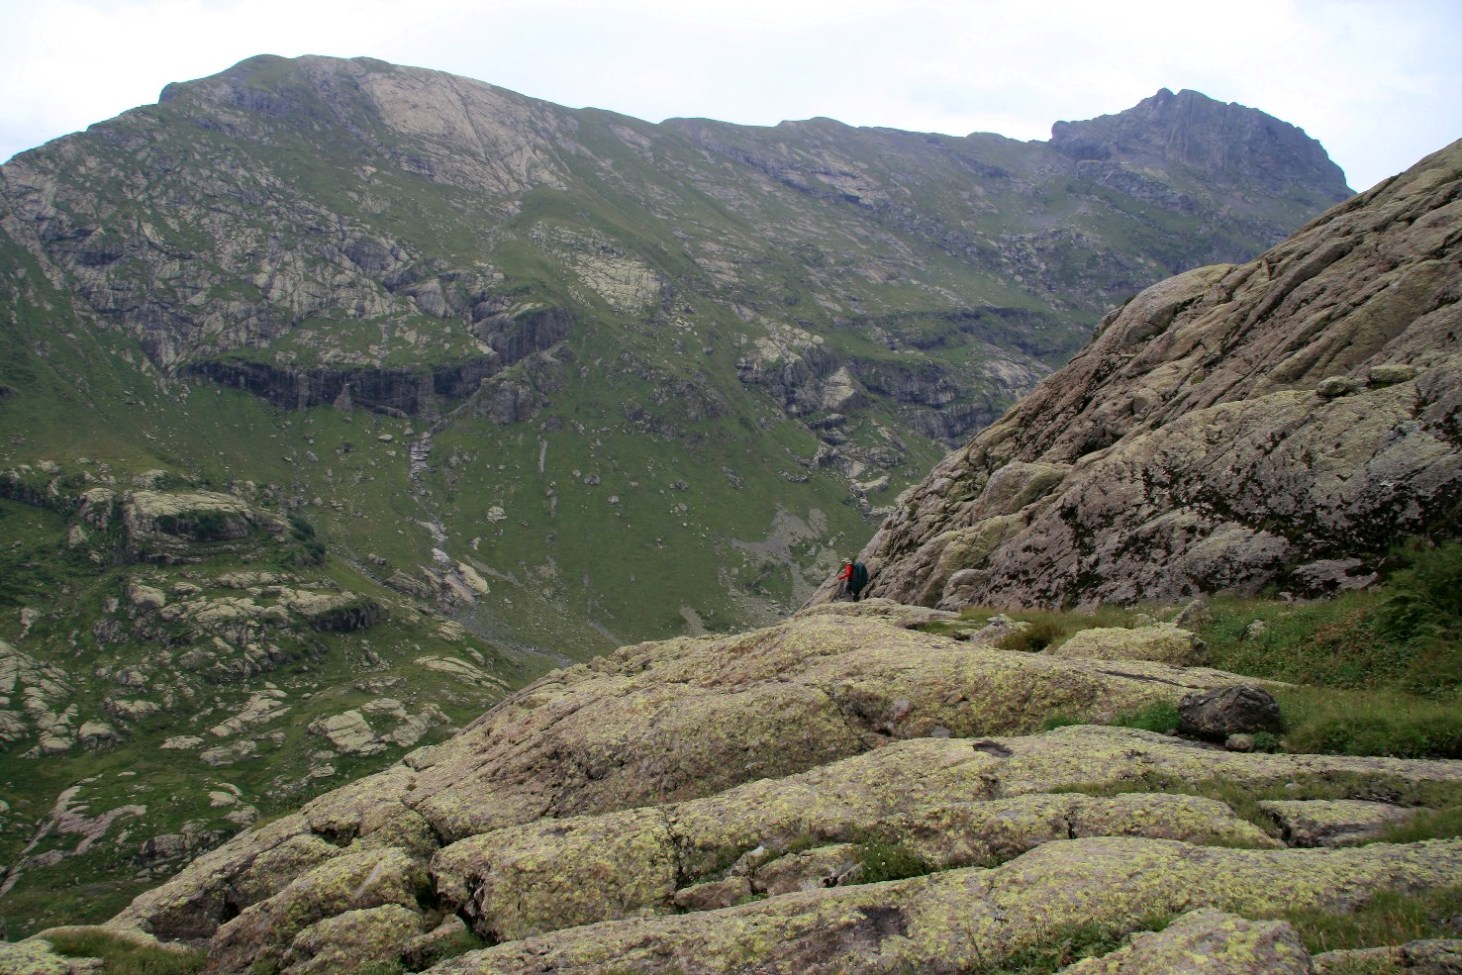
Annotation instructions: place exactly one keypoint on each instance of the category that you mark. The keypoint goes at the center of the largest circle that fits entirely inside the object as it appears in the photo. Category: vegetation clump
(122, 956)
(881, 858)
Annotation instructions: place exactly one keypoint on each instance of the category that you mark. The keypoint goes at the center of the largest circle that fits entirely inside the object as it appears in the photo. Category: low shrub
(880, 859)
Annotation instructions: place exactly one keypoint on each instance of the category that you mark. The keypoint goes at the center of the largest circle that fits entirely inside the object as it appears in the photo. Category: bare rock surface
(1279, 422)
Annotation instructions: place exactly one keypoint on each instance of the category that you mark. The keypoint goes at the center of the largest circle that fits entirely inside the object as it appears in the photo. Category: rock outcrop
(717, 804)
(1277, 423)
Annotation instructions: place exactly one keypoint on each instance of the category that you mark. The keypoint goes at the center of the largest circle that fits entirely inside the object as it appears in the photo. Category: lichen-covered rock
(827, 866)
(525, 880)
(947, 803)
(195, 515)
(969, 919)
(713, 895)
(1427, 957)
(350, 882)
(34, 956)
(1334, 822)
(900, 614)
(1206, 942)
(448, 938)
(348, 732)
(191, 905)
(1162, 642)
(692, 716)
(607, 790)
(346, 942)
(273, 869)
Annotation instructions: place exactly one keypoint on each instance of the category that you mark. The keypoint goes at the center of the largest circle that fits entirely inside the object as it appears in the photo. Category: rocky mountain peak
(1194, 130)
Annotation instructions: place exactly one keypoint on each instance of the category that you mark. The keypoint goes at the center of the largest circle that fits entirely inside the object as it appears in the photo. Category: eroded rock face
(1280, 422)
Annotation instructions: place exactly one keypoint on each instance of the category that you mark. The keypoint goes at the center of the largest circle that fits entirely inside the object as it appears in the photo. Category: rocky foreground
(710, 805)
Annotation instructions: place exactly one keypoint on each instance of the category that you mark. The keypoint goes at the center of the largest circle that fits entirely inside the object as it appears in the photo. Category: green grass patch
(1161, 717)
(1388, 918)
(1405, 634)
(123, 957)
(1427, 824)
(1375, 673)
(1331, 721)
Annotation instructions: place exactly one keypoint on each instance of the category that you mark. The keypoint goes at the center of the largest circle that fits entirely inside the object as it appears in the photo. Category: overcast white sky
(1378, 82)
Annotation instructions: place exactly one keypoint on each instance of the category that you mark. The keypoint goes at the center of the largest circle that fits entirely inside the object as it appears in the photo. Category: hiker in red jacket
(852, 579)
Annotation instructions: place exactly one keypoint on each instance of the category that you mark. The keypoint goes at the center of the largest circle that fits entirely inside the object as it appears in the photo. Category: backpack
(860, 577)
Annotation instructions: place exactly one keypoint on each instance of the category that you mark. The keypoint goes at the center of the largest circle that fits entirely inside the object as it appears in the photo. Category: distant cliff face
(1281, 422)
(1246, 146)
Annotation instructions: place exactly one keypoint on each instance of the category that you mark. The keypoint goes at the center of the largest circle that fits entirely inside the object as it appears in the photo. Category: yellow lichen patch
(346, 942)
(352, 881)
(1209, 942)
(528, 879)
(1162, 642)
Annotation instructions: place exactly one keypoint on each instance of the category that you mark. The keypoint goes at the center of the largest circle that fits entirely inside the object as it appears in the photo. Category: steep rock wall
(1281, 422)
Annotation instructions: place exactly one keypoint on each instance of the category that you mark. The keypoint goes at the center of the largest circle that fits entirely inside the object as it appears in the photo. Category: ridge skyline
(1376, 86)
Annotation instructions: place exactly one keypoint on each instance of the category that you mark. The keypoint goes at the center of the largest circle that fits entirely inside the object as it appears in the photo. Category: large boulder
(1242, 709)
